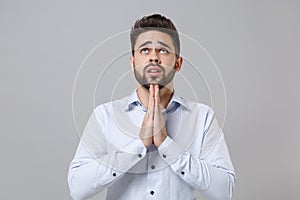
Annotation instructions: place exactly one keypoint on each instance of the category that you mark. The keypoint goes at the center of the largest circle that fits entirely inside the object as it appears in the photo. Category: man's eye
(144, 50)
(163, 51)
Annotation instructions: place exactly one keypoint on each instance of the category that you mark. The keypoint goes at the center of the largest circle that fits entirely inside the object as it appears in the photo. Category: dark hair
(155, 22)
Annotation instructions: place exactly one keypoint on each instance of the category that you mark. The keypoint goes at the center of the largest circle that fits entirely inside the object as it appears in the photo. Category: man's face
(154, 60)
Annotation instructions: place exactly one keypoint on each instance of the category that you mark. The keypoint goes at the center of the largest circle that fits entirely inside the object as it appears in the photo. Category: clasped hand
(153, 130)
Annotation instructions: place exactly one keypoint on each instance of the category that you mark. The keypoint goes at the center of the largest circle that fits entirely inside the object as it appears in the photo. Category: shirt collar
(133, 100)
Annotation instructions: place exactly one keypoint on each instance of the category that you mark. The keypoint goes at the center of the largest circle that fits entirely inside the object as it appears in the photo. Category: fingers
(146, 132)
(157, 111)
(150, 109)
(153, 128)
(156, 95)
(159, 130)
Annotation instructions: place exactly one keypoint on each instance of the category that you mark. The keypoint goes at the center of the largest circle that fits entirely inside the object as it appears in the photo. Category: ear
(178, 63)
(131, 62)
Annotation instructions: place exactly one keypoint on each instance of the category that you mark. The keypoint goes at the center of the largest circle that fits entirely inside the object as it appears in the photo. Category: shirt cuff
(169, 150)
(135, 146)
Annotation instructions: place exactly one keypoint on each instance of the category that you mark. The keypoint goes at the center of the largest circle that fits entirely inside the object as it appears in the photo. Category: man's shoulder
(121, 103)
(195, 105)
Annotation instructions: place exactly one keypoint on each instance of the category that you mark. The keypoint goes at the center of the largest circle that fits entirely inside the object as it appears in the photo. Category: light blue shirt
(194, 156)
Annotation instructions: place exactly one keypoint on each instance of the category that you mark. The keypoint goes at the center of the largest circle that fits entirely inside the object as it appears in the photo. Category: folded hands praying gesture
(153, 128)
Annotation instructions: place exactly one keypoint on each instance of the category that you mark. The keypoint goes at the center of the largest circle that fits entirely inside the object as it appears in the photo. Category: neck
(165, 95)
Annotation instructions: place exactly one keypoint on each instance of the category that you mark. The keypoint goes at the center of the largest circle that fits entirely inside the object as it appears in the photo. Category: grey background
(254, 43)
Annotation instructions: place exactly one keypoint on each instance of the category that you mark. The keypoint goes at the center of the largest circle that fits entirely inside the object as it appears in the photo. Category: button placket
(153, 175)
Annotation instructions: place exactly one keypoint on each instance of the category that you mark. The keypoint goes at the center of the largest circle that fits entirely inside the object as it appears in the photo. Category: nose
(154, 58)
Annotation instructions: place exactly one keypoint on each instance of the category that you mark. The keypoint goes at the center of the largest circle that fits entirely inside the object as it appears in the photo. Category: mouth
(154, 70)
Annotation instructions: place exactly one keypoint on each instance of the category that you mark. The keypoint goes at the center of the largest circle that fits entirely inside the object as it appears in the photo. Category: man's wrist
(169, 150)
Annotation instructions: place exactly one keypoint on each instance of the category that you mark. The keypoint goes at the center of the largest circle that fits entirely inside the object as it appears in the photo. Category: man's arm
(93, 168)
(212, 172)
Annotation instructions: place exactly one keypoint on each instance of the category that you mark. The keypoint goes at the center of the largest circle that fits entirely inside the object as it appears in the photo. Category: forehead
(155, 37)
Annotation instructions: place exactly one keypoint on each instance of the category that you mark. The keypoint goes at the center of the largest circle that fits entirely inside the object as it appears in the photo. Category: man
(152, 144)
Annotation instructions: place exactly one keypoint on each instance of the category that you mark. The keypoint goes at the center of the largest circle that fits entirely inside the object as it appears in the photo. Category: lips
(154, 70)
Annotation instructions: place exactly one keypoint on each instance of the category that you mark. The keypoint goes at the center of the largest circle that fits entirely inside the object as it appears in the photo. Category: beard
(161, 81)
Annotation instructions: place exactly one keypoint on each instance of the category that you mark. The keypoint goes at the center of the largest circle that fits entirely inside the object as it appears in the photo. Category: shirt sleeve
(93, 168)
(211, 172)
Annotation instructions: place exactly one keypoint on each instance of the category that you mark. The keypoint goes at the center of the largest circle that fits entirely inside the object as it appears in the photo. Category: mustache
(152, 65)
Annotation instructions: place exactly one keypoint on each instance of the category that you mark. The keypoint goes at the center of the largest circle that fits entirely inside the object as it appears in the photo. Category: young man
(152, 144)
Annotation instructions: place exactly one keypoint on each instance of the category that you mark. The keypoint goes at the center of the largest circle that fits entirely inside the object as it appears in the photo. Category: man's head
(155, 22)
(155, 50)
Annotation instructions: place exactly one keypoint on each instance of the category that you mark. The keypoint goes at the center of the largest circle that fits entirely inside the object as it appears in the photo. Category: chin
(147, 85)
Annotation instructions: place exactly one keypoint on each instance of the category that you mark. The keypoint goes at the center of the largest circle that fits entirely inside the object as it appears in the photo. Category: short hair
(155, 22)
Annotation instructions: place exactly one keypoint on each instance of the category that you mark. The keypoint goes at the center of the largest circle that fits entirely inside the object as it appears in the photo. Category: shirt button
(164, 155)
(140, 155)
(152, 192)
(182, 173)
(114, 174)
(152, 167)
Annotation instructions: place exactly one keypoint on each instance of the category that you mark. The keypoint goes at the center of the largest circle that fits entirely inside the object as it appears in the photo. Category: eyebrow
(159, 42)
